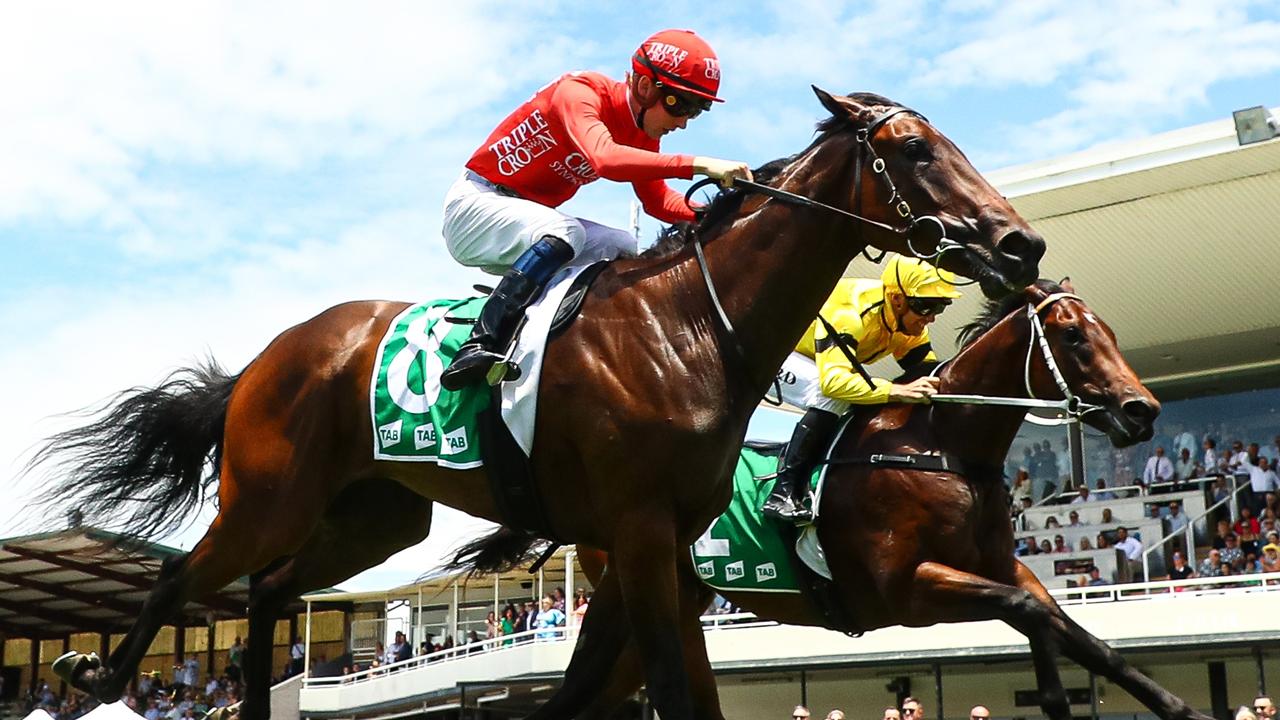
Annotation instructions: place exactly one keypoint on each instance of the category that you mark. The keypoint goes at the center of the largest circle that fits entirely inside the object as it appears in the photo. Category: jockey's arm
(580, 109)
(836, 375)
(661, 202)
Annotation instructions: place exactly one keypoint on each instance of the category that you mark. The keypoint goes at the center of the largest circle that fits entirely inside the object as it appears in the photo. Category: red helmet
(681, 60)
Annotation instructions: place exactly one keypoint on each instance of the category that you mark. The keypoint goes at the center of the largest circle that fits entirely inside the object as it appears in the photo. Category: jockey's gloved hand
(723, 170)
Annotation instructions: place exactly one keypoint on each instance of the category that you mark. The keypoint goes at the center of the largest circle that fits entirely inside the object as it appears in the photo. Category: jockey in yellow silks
(875, 319)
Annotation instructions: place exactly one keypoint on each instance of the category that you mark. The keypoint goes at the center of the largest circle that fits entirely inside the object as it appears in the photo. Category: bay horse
(646, 383)
(915, 548)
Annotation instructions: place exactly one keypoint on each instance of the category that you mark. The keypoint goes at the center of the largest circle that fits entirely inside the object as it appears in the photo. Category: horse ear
(839, 107)
(1066, 284)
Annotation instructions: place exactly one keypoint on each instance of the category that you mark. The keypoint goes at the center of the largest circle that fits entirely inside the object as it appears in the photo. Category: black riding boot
(810, 437)
(502, 312)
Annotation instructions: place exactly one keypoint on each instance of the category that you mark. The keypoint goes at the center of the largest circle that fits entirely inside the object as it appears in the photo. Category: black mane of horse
(996, 310)
(727, 201)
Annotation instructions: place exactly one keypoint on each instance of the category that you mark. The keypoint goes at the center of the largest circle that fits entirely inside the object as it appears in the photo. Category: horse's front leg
(943, 594)
(1097, 657)
(644, 556)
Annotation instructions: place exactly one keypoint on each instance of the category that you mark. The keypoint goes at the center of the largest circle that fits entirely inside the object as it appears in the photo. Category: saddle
(509, 469)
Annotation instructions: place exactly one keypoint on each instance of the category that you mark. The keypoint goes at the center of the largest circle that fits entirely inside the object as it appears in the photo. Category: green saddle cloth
(414, 418)
(744, 550)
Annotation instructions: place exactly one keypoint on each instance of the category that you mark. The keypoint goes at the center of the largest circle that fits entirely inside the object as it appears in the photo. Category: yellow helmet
(918, 279)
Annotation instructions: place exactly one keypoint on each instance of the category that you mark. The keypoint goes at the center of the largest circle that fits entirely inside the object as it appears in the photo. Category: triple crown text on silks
(414, 418)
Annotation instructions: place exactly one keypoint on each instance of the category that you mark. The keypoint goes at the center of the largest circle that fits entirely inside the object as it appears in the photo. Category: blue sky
(185, 179)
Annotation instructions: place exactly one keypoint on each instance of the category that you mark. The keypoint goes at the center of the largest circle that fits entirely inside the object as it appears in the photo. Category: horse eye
(917, 149)
(1072, 335)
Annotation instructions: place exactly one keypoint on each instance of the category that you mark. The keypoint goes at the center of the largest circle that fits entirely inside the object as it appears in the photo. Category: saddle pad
(745, 551)
(415, 419)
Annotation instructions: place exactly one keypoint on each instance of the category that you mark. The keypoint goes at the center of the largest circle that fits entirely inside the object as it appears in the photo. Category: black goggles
(677, 104)
(926, 307)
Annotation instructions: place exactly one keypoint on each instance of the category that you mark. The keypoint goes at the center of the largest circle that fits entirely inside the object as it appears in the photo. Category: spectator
(1021, 488)
(1180, 569)
(1085, 544)
(1219, 490)
(1250, 566)
(1101, 542)
(1262, 480)
(979, 712)
(1051, 522)
(835, 714)
(1046, 547)
(1244, 713)
(548, 620)
(580, 603)
(191, 671)
(1082, 496)
(558, 599)
(1185, 468)
(1132, 548)
(1220, 534)
(891, 713)
(1238, 462)
(1270, 558)
(1025, 522)
(401, 649)
(235, 659)
(1231, 554)
(507, 626)
(1209, 461)
(800, 712)
(1211, 566)
(1177, 520)
(1073, 518)
(1060, 544)
(1100, 491)
(1095, 577)
(1106, 517)
(1262, 704)
(911, 707)
(1158, 469)
(296, 653)
(491, 625)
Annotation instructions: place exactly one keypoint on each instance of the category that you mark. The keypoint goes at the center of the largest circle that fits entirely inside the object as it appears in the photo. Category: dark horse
(915, 548)
(645, 372)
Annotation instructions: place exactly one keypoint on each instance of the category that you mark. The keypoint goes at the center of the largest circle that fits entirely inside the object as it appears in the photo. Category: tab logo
(766, 572)
(707, 570)
(735, 571)
(389, 434)
(424, 436)
(455, 442)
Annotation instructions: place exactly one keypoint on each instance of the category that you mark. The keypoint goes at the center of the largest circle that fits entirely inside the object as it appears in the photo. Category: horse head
(915, 179)
(1084, 348)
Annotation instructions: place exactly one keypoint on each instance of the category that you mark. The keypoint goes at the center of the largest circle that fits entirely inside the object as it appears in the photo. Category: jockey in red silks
(501, 214)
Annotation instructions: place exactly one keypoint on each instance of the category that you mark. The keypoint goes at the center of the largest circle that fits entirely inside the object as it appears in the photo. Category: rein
(914, 224)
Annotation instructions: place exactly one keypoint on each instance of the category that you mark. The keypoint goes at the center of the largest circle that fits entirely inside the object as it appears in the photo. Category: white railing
(1157, 591)
(1189, 528)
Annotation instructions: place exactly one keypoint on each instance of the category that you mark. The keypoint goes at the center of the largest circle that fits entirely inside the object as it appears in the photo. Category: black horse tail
(145, 460)
(501, 550)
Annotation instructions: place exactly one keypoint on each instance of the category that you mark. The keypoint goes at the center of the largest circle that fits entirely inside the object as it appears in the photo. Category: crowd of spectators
(911, 709)
(188, 695)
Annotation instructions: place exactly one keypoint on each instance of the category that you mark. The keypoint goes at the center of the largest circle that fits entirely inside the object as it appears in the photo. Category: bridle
(1071, 405)
(915, 226)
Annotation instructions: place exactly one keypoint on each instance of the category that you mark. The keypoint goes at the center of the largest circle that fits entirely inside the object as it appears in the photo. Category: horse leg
(1097, 657)
(626, 671)
(645, 556)
(601, 640)
(354, 535)
(943, 594)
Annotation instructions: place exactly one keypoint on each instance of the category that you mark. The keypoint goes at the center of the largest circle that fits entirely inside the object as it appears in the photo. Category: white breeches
(801, 387)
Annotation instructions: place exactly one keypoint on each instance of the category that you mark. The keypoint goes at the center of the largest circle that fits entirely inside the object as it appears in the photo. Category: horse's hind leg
(354, 535)
(943, 594)
(1097, 657)
(601, 640)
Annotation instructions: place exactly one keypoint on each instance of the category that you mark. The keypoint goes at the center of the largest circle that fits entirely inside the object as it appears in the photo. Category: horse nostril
(1139, 411)
(1022, 245)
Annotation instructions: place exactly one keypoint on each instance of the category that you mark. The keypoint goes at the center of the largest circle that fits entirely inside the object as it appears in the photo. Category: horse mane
(726, 202)
(996, 310)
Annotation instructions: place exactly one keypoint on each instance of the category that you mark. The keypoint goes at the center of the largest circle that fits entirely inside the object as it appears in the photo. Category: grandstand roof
(1173, 240)
(56, 583)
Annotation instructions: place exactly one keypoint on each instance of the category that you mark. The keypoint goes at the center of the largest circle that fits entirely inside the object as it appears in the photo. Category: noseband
(1070, 404)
